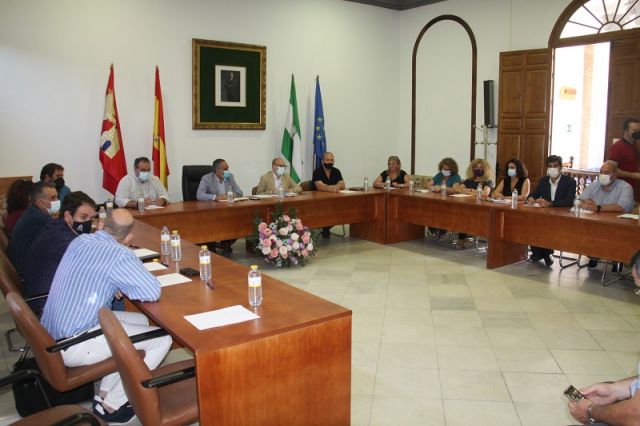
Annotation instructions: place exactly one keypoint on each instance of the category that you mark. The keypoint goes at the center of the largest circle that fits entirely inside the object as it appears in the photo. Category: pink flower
(295, 245)
(267, 232)
(273, 237)
(279, 243)
(266, 250)
(310, 246)
(305, 252)
(299, 226)
(306, 238)
(283, 251)
(289, 228)
(262, 226)
(286, 218)
(274, 254)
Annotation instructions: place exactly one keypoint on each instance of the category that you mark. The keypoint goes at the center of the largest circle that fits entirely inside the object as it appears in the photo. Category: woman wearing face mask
(479, 173)
(399, 178)
(515, 177)
(448, 173)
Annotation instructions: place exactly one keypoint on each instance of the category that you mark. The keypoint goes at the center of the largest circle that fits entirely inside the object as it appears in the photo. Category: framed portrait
(229, 85)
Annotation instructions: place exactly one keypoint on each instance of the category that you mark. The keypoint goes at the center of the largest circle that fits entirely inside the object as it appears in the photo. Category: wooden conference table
(292, 366)
(398, 215)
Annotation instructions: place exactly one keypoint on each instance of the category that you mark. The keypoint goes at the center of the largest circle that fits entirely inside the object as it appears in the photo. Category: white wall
(54, 58)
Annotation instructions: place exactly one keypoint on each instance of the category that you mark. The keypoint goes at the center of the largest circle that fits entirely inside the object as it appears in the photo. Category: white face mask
(605, 180)
(446, 172)
(511, 172)
(280, 171)
(54, 207)
(553, 172)
(144, 176)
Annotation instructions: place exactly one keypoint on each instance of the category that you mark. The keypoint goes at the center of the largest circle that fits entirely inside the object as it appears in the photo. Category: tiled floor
(438, 339)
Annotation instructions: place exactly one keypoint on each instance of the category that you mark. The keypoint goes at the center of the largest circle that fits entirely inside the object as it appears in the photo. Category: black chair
(191, 176)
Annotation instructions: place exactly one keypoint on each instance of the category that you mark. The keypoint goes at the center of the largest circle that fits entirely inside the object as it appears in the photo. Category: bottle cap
(254, 267)
(204, 247)
(174, 232)
(156, 260)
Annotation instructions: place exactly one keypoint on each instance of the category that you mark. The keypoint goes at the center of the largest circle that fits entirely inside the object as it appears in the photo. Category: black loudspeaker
(489, 104)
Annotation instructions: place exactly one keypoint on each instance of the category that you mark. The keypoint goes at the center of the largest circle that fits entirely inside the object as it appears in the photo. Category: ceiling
(397, 4)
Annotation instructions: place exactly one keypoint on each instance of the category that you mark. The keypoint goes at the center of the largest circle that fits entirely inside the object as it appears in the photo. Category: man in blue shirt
(94, 269)
(54, 173)
(44, 204)
(43, 258)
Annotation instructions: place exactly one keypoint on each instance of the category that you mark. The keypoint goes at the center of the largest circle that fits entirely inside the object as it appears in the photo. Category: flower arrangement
(285, 241)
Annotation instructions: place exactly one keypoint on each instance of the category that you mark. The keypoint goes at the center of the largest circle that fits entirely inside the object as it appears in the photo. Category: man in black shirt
(328, 179)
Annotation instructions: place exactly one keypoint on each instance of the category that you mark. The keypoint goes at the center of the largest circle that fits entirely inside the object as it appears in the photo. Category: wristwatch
(590, 415)
(598, 208)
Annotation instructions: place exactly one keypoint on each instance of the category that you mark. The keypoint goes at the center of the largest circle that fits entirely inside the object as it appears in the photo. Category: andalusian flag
(160, 165)
(114, 166)
(291, 143)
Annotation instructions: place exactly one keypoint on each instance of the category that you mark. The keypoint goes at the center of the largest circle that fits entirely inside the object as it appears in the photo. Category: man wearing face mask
(93, 270)
(607, 194)
(328, 179)
(141, 184)
(46, 251)
(215, 185)
(54, 173)
(624, 152)
(44, 205)
(553, 190)
(272, 181)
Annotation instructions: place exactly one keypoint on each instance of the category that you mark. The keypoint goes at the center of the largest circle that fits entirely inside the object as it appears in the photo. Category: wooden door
(524, 109)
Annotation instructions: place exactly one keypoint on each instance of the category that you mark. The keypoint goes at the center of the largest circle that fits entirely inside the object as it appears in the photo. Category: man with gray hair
(95, 268)
(276, 178)
(615, 403)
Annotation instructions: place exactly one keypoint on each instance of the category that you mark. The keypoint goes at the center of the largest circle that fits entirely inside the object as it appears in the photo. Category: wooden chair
(165, 396)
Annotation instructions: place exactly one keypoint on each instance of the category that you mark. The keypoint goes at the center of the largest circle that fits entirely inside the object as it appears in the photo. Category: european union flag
(319, 137)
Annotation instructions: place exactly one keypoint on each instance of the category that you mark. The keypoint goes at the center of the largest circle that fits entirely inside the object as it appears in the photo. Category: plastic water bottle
(443, 188)
(109, 205)
(102, 214)
(514, 198)
(230, 197)
(280, 193)
(176, 248)
(205, 263)
(365, 184)
(387, 184)
(576, 207)
(141, 205)
(479, 192)
(411, 186)
(165, 241)
(255, 286)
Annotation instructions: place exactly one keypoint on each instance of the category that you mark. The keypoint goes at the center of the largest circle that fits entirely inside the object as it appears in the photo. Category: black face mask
(59, 183)
(328, 166)
(82, 227)
(636, 135)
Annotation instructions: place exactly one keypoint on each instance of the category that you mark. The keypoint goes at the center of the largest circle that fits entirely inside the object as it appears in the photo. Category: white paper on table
(348, 191)
(500, 201)
(290, 194)
(264, 195)
(172, 279)
(629, 216)
(221, 317)
(582, 211)
(240, 199)
(153, 207)
(531, 205)
(422, 190)
(461, 195)
(145, 253)
(154, 266)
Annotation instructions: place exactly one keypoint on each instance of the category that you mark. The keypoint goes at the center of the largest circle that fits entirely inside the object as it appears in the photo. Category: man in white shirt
(141, 184)
(275, 179)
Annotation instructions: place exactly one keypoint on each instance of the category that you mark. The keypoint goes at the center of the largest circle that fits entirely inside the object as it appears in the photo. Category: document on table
(145, 254)
(221, 317)
(154, 266)
(423, 190)
(264, 196)
(499, 200)
(348, 191)
(172, 279)
(461, 195)
(240, 199)
(629, 216)
(582, 211)
(153, 207)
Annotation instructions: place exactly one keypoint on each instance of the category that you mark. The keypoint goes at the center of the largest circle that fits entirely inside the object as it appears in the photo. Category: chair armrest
(65, 344)
(169, 378)
(17, 376)
(78, 419)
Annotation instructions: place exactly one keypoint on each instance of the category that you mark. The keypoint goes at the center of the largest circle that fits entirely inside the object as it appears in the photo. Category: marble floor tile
(466, 358)
(446, 335)
(406, 411)
(452, 304)
(473, 385)
(402, 381)
(498, 304)
(361, 409)
(568, 339)
(536, 387)
(586, 362)
(606, 322)
(505, 320)
(622, 341)
(542, 305)
(395, 333)
(544, 414)
(457, 318)
(526, 360)
(408, 355)
(464, 413)
(363, 377)
(627, 361)
(514, 338)
(449, 290)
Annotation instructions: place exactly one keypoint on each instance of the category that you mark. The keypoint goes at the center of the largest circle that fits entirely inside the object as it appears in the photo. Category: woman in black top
(399, 178)
(515, 176)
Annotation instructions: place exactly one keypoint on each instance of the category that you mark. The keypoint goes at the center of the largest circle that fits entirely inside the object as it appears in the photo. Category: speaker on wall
(489, 104)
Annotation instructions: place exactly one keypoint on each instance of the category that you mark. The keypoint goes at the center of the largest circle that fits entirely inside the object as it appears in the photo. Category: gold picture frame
(229, 85)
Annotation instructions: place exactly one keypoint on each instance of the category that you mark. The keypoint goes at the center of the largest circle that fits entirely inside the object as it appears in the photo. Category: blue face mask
(144, 176)
(511, 172)
(226, 174)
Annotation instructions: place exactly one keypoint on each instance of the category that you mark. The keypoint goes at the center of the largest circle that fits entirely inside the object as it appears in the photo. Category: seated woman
(447, 173)
(479, 173)
(515, 176)
(18, 199)
(399, 178)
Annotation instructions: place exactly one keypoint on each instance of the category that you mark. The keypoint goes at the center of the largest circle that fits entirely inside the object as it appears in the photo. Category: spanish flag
(160, 164)
(111, 153)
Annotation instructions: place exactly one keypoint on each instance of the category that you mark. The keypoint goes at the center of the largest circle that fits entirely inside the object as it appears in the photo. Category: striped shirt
(92, 270)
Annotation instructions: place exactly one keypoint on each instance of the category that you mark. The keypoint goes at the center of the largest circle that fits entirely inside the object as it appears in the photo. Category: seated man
(272, 181)
(612, 403)
(141, 184)
(44, 204)
(329, 179)
(95, 268)
(607, 194)
(216, 185)
(553, 190)
(54, 173)
(43, 258)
